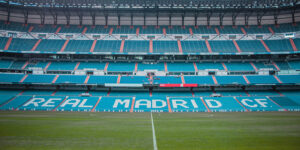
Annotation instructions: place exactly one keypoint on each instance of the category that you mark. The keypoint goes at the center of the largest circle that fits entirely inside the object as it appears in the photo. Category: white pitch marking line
(153, 134)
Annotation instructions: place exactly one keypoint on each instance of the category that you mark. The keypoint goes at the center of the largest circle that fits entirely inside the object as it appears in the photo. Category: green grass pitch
(84, 130)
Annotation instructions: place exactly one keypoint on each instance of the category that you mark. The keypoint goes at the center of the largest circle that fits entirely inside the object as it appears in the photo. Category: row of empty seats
(6, 94)
(201, 80)
(13, 26)
(132, 67)
(25, 101)
(137, 46)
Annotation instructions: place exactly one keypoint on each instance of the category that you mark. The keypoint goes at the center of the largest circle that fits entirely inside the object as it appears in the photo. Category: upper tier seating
(121, 67)
(125, 29)
(136, 46)
(143, 46)
(251, 46)
(165, 47)
(79, 46)
(62, 66)
(279, 45)
(50, 45)
(180, 67)
(222, 46)
(194, 46)
(168, 67)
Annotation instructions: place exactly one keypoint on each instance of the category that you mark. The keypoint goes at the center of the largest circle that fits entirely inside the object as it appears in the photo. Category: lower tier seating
(201, 80)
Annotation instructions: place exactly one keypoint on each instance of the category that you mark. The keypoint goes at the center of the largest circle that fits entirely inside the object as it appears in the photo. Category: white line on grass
(153, 132)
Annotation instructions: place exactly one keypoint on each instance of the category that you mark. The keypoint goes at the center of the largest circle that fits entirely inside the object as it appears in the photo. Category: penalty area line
(153, 134)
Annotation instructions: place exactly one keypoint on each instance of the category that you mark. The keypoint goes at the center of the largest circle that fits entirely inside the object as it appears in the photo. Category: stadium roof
(150, 8)
(202, 4)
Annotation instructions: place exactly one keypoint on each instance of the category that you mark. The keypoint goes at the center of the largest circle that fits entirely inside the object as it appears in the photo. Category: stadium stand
(157, 67)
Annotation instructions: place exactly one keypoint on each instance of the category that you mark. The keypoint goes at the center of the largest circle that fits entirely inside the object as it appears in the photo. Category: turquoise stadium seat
(68, 93)
(286, 103)
(255, 29)
(7, 78)
(286, 27)
(293, 95)
(5, 64)
(228, 104)
(98, 30)
(180, 67)
(238, 66)
(294, 65)
(102, 79)
(204, 30)
(79, 46)
(121, 67)
(9, 92)
(17, 64)
(203, 93)
(18, 44)
(230, 80)
(166, 80)
(91, 65)
(107, 46)
(71, 29)
(16, 103)
(62, 66)
(124, 30)
(230, 30)
(199, 80)
(5, 98)
(297, 43)
(194, 47)
(279, 45)
(98, 93)
(222, 46)
(176, 30)
(73, 79)
(264, 65)
(290, 79)
(262, 93)
(251, 46)
(189, 105)
(46, 28)
(3, 41)
(172, 94)
(231, 93)
(208, 65)
(151, 30)
(283, 65)
(39, 79)
(50, 45)
(13, 26)
(165, 47)
(49, 107)
(106, 104)
(38, 92)
(158, 66)
(70, 104)
(129, 93)
(136, 46)
(261, 79)
(254, 104)
(134, 79)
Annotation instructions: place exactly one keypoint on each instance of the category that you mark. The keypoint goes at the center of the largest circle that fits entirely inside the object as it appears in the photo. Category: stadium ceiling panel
(150, 8)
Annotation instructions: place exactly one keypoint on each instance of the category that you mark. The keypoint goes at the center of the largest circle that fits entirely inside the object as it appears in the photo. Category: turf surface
(82, 130)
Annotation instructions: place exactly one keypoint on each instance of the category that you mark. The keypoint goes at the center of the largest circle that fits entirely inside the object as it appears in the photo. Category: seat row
(134, 67)
(253, 29)
(145, 46)
(146, 104)
(112, 79)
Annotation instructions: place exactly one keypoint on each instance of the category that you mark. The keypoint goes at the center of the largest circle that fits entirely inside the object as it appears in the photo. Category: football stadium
(149, 74)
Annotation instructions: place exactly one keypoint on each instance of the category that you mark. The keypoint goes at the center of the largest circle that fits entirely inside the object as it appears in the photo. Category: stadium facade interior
(120, 55)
